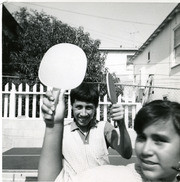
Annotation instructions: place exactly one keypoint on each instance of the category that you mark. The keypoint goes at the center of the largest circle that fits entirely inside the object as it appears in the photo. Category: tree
(40, 32)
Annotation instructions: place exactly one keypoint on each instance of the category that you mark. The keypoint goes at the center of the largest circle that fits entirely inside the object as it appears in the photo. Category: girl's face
(158, 150)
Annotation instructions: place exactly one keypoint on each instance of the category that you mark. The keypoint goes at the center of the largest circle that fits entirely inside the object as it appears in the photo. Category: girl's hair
(86, 92)
(158, 110)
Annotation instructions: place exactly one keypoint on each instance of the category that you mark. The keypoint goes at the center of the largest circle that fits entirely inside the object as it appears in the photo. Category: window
(149, 56)
(129, 61)
(177, 45)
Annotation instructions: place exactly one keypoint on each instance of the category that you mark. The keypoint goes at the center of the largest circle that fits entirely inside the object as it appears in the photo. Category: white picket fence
(25, 102)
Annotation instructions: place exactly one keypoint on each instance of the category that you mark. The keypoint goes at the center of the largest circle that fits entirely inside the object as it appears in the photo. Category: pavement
(23, 163)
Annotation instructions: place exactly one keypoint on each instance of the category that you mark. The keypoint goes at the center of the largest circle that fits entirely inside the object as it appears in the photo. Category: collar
(75, 127)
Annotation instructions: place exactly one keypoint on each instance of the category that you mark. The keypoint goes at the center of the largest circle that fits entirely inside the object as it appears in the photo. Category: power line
(90, 15)
(152, 63)
(107, 36)
(131, 74)
(121, 38)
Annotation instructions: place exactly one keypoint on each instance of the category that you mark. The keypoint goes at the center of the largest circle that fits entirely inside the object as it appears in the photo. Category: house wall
(22, 133)
(116, 62)
(29, 133)
(160, 63)
(174, 24)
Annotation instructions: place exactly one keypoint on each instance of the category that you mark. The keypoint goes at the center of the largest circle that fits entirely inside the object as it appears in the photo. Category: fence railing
(25, 102)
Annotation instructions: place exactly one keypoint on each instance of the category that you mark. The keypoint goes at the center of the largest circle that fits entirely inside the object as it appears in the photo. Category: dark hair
(86, 92)
(156, 110)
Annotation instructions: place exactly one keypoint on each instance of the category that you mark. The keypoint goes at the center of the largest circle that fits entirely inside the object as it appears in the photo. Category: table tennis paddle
(111, 90)
(63, 67)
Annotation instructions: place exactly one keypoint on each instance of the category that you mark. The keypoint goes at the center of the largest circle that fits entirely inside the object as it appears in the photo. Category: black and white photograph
(90, 91)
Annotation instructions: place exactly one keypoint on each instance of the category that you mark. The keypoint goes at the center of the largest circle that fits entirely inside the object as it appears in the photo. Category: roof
(9, 21)
(157, 31)
(119, 49)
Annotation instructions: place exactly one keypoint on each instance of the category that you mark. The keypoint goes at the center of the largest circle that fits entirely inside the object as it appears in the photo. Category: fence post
(126, 112)
(20, 101)
(105, 108)
(27, 101)
(12, 102)
(34, 108)
(98, 111)
(6, 101)
(41, 100)
(138, 107)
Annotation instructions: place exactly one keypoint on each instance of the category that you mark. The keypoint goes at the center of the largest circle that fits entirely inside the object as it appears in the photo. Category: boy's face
(83, 112)
(158, 150)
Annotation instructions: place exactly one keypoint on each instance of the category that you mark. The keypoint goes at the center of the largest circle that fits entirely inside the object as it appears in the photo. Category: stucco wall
(161, 62)
(22, 133)
(116, 62)
(29, 133)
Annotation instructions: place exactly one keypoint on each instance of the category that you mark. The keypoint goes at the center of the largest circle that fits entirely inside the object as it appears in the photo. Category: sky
(116, 24)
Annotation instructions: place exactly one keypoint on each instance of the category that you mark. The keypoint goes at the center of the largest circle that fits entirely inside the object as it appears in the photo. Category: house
(117, 61)
(10, 29)
(157, 61)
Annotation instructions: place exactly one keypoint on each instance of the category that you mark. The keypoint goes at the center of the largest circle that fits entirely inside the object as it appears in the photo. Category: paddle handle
(116, 122)
(55, 93)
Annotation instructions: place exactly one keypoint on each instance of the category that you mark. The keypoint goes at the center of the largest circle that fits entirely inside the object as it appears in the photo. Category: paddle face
(111, 88)
(63, 66)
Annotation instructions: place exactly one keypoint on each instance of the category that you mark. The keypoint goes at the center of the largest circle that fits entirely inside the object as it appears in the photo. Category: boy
(85, 140)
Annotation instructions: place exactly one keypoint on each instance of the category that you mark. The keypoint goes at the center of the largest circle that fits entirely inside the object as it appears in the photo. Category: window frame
(175, 62)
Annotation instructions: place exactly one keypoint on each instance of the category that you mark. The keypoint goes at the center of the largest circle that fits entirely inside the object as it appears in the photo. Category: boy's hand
(117, 113)
(53, 107)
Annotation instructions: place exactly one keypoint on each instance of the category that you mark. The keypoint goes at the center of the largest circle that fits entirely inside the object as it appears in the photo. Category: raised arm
(124, 147)
(50, 163)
